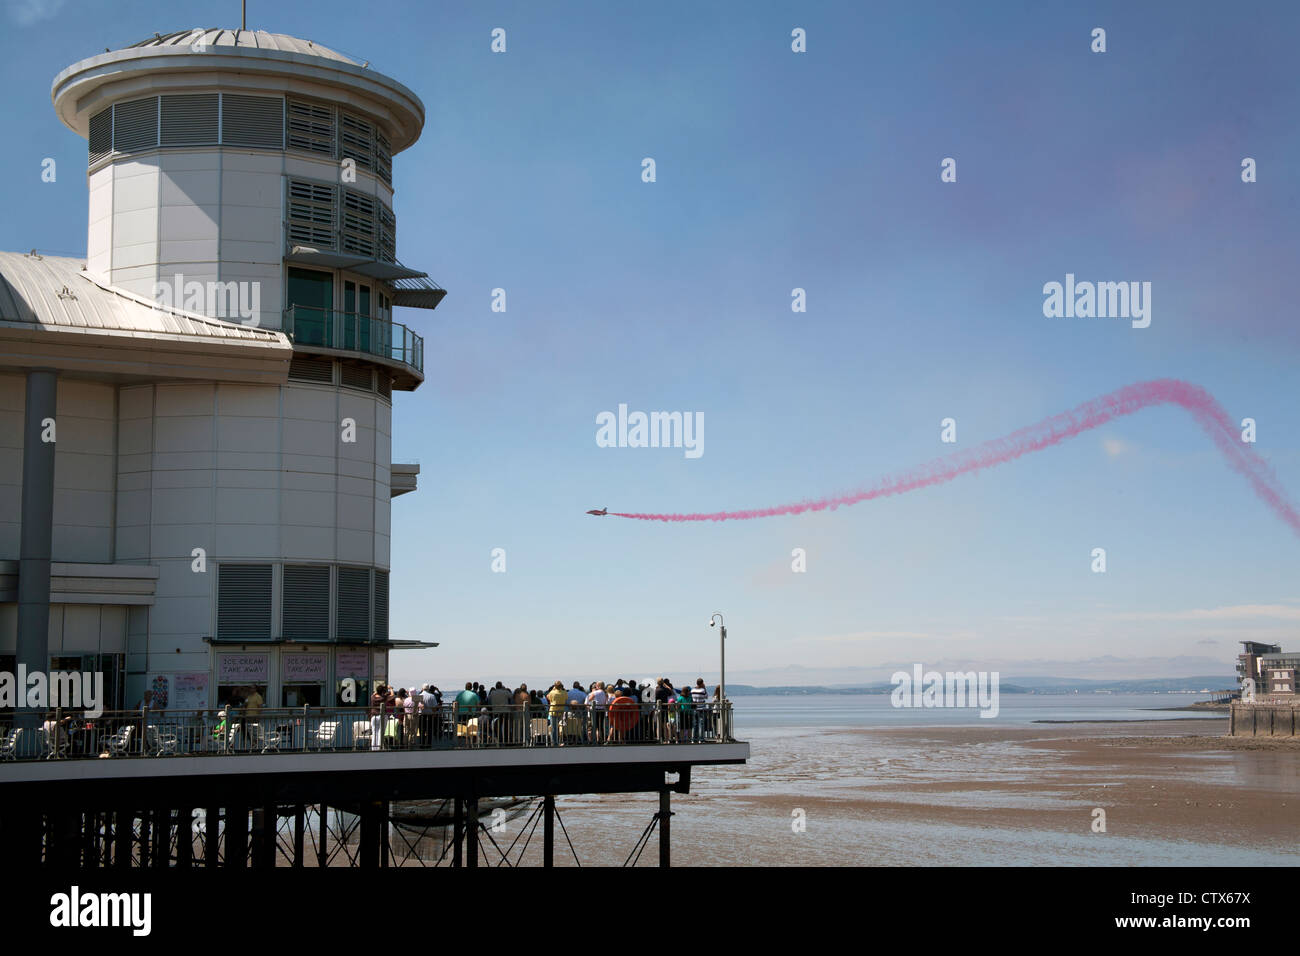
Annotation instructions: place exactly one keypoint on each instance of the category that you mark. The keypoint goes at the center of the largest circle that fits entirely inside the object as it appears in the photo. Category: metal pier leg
(458, 832)
(184, 838)
(237, 836)
(162, 838)
(471, 831)
(122, 837)
(211, 835)
(299, 826)
(548, 831)
(322, 849)
(665, 815)
(383, 834)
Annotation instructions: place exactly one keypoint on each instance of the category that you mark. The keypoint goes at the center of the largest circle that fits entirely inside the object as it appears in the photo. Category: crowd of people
(603, 712)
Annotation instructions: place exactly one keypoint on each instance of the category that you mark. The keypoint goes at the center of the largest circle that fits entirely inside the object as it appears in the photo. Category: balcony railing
(60, 735)
(351, 332)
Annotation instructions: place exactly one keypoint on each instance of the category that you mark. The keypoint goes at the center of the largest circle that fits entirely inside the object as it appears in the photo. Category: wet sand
(1174, 792)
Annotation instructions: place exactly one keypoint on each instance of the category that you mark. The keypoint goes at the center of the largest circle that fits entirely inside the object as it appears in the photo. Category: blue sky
(819, 170)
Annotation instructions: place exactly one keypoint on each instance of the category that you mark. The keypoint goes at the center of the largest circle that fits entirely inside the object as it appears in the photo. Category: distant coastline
(1022, 685)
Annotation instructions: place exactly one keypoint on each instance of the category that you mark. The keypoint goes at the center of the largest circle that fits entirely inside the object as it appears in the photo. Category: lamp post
(722, 655)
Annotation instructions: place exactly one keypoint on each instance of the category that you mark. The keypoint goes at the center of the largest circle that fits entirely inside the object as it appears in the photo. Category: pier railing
(64, 735)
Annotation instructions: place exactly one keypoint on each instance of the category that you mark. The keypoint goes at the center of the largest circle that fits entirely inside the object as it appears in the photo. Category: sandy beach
(1173, 791)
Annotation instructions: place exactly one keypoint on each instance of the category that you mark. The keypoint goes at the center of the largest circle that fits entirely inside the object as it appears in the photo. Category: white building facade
(210, 514)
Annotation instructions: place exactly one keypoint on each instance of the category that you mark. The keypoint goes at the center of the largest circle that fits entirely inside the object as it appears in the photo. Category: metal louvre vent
(252, 121)
(311, 127)
(189, 119)
(357, 141)
(358, 223)
(244, 602)
(356, 376)
(135, 125)
(385, 386)
(354, 604)
(311, 213)
(381, 605)
(387, 234)
(306, 603)
(101, 135)
(383, 157)
(316, 371)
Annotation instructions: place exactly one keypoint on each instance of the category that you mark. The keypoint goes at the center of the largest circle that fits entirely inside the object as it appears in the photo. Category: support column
(33, 649)
(471, 831)
(299, 828)
(162, 849)
(184, 837)
(458, 831)
(123, 836)
(665, 833)
(237, 836)
(548, 830)
(322, 849)
(211, 835)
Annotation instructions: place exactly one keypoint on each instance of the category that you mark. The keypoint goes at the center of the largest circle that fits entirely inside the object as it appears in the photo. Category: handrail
(354, 332)
(58, 735)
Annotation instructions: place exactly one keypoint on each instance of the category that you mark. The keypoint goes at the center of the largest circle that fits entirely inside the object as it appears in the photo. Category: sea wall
(1263, 719)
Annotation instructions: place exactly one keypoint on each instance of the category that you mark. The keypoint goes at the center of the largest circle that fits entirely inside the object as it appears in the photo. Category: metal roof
(252, 39)
(56, 293)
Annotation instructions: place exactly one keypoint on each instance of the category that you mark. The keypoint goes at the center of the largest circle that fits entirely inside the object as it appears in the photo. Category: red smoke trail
(1051, 431)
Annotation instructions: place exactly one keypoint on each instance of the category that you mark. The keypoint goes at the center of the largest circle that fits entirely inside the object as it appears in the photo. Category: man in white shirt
(597, 702)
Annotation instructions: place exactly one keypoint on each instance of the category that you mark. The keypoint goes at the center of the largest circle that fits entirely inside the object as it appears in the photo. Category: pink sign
(298, 668)
(242, 668)
(352, 664)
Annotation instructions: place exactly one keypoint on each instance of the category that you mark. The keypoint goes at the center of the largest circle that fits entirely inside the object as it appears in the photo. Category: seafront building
(1273, 671)
(196, 415)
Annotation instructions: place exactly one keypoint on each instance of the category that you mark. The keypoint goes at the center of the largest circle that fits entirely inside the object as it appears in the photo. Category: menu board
(352, 664)
(189, 691)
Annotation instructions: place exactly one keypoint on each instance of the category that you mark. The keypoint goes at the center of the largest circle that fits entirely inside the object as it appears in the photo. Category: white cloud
(1235, 612)
(27, 12)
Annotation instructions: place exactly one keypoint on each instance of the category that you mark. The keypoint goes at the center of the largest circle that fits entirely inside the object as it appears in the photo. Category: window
(244, 602)
(311, 296)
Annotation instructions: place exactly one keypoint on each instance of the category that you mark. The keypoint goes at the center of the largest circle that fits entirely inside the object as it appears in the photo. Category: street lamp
(722, 654)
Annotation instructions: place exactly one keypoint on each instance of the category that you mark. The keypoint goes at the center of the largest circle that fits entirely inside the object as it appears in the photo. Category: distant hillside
(1017, 685)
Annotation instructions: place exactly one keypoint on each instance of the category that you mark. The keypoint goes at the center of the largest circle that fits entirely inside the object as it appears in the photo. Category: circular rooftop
(251, 61)
(250, 39)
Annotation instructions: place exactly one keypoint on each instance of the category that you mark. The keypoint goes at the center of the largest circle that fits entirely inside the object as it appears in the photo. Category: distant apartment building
(197, 416)
(1273, 671)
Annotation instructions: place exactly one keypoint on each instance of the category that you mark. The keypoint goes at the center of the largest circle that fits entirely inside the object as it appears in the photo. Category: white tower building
(195, 420)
